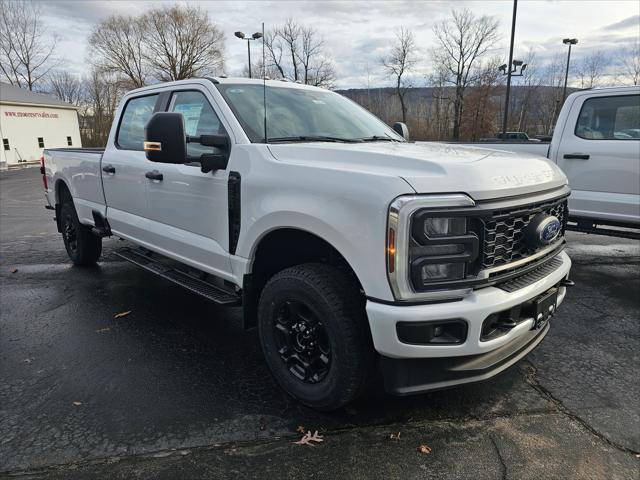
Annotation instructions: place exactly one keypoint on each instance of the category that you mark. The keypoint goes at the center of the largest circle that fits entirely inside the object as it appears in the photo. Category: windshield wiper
(376, 138)
(313, 138)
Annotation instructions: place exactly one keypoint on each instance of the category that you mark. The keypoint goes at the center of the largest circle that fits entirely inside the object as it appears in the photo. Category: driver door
(188, 208)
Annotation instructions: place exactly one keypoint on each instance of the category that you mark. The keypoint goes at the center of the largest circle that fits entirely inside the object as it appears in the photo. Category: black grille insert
(502, 231)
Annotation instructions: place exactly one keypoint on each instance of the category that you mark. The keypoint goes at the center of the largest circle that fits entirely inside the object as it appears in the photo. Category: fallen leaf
(102, 330)
(300, 429)
(77, 404)
(395, 436)
(308, 438)
(162, 454)
(15, 270)
(425, 449)
(122, 314)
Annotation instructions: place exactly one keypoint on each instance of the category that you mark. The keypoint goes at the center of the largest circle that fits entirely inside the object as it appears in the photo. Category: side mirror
(218, 141)
(209, 163)
(164, 138)
(401, 129)
(217, 161)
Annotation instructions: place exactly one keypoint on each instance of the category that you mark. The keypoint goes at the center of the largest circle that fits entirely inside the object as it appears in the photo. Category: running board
(634, 235)
(212, 292)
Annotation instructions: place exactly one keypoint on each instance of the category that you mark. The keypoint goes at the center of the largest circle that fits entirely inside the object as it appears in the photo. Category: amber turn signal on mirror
(152, 146)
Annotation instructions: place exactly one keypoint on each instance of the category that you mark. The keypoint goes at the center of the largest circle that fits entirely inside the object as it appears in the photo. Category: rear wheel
(315, 336)
(83, 247)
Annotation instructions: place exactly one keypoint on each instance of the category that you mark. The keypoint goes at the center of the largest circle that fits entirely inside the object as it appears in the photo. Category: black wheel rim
(69, 233)
(302, 342)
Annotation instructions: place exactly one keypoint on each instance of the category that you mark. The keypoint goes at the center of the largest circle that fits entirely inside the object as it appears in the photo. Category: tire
(330, 307)
(83, 247)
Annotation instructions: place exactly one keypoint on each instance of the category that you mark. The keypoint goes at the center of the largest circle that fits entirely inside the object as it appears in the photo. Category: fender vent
(234, 210)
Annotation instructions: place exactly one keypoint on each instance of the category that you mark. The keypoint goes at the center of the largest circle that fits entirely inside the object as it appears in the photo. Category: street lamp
(567, 41)
(514, 70)
(255, 36)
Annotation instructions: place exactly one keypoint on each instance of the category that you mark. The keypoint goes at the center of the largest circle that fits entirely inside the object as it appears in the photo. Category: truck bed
(81, 171)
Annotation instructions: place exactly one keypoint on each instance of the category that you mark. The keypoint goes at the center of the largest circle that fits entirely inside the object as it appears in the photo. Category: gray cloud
(630, 22)
(358, 32)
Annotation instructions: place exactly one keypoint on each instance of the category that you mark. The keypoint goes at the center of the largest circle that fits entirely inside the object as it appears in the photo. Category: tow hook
(567, 283)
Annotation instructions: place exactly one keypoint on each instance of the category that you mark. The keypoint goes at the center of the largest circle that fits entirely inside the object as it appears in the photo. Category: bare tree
(274, 52)
(463, 39)
(298, 53)
(66, 87)
(102, 94)
(26, 50)
(591, 70)
(549, 102)
(479, 118)
(629, 64)
(530, 83)
(181, 42)
(117, 47)
(169, 43)
(399, 62)
(441, 103)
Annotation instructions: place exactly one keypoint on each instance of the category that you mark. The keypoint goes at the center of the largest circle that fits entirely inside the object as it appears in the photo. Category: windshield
(295, 114)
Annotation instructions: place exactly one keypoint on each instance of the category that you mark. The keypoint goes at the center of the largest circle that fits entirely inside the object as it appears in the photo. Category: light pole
(567, 41)
(509, 72)
(255, 36)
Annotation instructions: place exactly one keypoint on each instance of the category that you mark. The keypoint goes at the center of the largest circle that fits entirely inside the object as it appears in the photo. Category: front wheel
(315, 336)
(83, 247)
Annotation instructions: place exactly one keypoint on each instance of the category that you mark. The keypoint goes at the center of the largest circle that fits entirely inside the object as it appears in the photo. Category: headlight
(431, 246)
(443, 226)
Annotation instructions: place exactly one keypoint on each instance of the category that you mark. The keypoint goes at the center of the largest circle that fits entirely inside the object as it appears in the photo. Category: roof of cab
(231, 80)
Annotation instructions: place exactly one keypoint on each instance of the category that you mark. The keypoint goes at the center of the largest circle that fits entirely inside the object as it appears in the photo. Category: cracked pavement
(177, 389)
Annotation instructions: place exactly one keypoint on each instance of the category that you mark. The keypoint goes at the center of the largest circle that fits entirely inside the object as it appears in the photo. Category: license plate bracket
(544, 306)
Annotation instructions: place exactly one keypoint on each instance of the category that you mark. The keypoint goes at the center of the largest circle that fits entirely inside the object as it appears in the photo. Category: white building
(30, 122)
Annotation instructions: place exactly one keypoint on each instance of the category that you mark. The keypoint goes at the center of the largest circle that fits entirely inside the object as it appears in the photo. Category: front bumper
(414, 375)
(473, 309)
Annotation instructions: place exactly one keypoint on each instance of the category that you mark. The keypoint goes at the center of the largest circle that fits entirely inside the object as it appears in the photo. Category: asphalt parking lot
(177, 389)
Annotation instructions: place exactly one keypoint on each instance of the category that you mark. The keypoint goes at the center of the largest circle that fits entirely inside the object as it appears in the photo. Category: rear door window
(610, 118)
(137, 113)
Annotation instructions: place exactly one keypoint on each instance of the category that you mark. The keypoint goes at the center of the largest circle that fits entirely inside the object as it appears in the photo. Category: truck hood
(433, 167)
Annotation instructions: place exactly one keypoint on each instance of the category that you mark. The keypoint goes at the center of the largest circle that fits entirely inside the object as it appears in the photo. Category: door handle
(576, 156)
(154, 175)
(109, 169)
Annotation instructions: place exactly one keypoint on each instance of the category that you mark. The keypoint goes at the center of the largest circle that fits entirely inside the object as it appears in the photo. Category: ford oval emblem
(549, 230)
(542, 230)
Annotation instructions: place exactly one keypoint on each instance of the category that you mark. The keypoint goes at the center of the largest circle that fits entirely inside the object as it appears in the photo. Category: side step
(633, 235)
(190, 282)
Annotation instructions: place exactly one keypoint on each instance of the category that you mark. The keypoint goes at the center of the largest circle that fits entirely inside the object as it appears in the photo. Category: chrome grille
(503, 240)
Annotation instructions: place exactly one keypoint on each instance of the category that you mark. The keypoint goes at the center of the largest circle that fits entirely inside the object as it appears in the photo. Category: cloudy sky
(357, 33)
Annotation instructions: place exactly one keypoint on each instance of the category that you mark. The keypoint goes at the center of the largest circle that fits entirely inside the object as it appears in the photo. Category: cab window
(610, 118)
(137, 113)
(199, 119)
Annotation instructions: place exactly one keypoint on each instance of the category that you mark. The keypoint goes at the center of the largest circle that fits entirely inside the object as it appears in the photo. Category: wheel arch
(282, 248)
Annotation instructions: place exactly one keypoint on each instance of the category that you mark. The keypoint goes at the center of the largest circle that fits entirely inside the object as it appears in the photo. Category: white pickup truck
(596, 143)
(351, 249)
